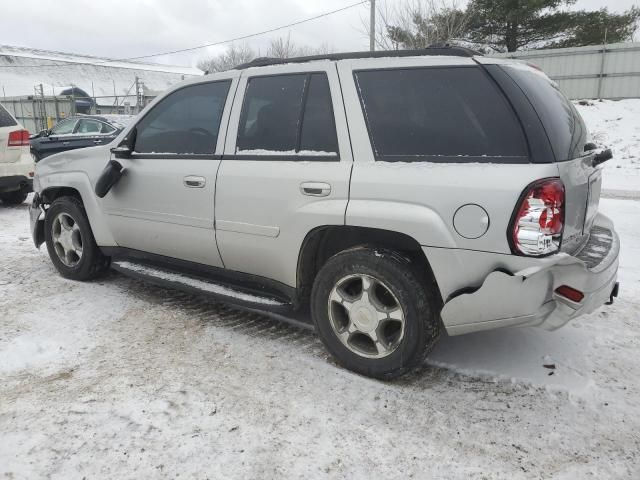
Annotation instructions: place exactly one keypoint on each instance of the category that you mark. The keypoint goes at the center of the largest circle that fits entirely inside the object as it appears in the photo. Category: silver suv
(388, 196)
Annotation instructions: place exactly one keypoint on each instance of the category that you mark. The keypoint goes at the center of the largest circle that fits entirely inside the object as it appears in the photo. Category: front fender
(79, 181)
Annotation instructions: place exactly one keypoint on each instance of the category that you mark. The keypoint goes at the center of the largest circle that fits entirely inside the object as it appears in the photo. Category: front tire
(375, 313)
(70, 242)
(14, 198)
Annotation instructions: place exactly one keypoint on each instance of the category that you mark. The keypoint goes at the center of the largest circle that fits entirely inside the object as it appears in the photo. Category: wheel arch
(77, 185)
(323, 242)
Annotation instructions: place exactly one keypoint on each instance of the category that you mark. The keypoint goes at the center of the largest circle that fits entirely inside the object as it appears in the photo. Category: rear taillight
(19, 138)
(538, 222)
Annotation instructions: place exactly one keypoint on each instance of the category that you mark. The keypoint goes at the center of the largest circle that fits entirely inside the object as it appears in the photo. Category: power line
(190, 49)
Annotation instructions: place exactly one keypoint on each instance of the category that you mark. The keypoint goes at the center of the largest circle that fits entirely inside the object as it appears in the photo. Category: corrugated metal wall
(590, 72)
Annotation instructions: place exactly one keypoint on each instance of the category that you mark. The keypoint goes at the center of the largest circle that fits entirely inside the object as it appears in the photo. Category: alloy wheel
(366, 316)
(67, 239)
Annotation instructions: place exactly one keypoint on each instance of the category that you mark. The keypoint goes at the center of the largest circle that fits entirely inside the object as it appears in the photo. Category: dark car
(77, 132)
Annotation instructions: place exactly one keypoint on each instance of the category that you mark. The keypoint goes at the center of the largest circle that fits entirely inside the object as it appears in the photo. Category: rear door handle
(97, 141)
(315, 189)
(194, 181)
(65, 143)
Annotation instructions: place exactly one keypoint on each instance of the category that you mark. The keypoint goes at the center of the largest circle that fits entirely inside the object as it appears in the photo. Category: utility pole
(602, 58)
(137, 94)
(372, 26)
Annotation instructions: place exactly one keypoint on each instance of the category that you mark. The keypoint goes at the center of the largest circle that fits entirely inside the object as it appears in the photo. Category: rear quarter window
(562, 122)
(6, 120)
(439, 114)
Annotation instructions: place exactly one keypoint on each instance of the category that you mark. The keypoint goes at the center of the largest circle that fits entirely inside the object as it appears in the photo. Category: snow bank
(616, 125)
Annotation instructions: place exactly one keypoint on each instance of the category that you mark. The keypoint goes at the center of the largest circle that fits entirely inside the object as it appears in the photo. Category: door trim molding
(248, 228)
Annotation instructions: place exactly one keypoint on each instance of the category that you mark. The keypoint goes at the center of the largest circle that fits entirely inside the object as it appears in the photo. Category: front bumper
(528, 297)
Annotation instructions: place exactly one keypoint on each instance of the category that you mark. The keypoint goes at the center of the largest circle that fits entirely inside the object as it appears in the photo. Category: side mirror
(44, 133)
(108, 178)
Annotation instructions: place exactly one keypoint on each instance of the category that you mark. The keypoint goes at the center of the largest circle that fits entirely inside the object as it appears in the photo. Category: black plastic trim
(451, 159)
(305, 95)
(174, 156)
(540, 149)
(429, 51)
(17, 182)
(284, 158)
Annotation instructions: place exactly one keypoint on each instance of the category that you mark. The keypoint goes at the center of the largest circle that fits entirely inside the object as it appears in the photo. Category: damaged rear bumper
(528, 297)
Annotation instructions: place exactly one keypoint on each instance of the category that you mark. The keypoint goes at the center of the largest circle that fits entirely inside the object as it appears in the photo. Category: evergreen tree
(523, 24)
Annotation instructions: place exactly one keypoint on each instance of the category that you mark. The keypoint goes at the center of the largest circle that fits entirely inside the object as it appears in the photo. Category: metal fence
(604, 71)
(39, 112)
(599, 71)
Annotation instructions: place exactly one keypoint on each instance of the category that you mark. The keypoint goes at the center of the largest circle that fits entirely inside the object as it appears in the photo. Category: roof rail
(438, 49)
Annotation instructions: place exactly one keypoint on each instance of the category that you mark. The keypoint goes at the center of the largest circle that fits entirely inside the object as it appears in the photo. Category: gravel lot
(118, 379)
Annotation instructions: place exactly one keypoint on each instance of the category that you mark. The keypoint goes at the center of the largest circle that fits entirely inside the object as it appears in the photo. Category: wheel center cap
(364, 319)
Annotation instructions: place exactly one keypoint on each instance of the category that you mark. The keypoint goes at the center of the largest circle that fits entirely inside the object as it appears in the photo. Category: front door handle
(315, 189)
(65, 143)
(194, 181)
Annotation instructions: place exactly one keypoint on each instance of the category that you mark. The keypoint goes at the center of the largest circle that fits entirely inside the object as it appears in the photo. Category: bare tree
(418, 24)
(281, 47)
(235, 55)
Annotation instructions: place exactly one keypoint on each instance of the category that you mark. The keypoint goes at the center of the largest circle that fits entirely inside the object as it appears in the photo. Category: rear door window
(107, 128)
(562, 122)
(185, 122)
(439, 114)
(271, 113)
(89, 127)
(287, 115)
(6, 120)
(65, 127)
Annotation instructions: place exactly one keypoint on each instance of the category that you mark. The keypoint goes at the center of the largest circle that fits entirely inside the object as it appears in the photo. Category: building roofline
(80, 59)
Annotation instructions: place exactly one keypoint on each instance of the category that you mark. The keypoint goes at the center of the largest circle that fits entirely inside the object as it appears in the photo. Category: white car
(16, 162)
(389, 196)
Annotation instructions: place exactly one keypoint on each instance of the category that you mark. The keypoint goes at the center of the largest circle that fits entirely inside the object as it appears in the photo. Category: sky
(130, 28)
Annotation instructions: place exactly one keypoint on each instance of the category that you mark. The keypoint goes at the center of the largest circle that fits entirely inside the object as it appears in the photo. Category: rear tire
(70, 242)
(374, 312)
(14, 198)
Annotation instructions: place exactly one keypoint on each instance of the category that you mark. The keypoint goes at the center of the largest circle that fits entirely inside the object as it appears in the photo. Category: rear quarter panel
(420, 199)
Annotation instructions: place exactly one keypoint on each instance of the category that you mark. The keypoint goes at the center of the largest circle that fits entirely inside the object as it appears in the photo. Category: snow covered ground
(118, 379)
(616, 125)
